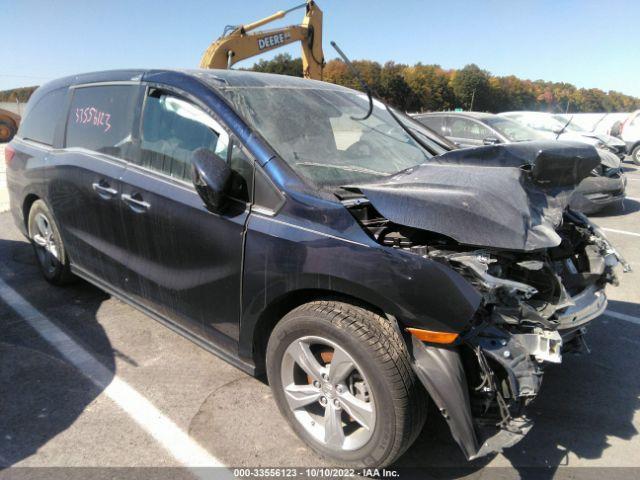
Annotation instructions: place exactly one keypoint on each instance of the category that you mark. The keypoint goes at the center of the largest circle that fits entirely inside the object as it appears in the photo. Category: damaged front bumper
(483, 384)
(509, 367)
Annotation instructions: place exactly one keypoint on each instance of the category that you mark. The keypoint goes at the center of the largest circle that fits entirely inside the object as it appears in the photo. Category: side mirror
(490, 141)
(211, 177)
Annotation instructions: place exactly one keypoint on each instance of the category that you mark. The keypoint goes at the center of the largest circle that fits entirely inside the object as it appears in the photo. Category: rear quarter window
(101, 119)
(41, 121)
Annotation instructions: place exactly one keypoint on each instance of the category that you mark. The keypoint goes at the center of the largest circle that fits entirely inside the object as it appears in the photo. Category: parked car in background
(9, 123)
(472, 129)
(607, 142)
(600, 122)
(630, 134)
(297, 228)
(604, 187)
(553, 128)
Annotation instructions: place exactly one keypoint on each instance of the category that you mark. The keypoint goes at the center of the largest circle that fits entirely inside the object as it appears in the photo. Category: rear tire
(635, 155)
(47, 244)
(328, 407)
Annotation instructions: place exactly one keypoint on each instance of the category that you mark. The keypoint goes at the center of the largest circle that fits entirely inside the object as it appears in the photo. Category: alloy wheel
(328, 393)
(47, 249)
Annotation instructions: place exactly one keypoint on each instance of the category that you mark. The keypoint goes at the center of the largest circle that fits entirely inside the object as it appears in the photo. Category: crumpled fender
(441, 372)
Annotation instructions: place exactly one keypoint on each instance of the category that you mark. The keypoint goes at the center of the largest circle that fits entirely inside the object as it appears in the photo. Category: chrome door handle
(136, 204)
(104, 189)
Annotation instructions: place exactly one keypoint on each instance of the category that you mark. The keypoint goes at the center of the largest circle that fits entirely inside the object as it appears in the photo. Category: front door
(186, 261)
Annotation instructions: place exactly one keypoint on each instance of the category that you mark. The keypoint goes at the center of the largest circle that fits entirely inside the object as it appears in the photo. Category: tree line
(17, 94)
(422, 87)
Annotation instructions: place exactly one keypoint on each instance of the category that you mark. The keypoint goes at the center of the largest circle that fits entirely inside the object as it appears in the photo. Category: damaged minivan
(305, 231)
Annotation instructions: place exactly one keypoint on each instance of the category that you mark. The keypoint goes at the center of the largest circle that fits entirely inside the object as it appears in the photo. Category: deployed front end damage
(541, 270)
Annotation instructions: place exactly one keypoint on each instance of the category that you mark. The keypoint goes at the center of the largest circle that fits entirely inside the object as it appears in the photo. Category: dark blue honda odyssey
(304, 231)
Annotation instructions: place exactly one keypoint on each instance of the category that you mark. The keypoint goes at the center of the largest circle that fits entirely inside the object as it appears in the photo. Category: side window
(242, 177)
(434, 123)
(174, 128)
(463, 128)
(101, 119)
(40, 123)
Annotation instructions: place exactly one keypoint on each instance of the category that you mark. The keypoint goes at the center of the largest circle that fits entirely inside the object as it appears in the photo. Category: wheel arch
(280, 306)
(28, 202)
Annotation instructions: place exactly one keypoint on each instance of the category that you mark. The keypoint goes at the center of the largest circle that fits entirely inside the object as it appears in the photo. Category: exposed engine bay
(536, 299)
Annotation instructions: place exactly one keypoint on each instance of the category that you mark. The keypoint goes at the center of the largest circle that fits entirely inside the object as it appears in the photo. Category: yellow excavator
(240, 42)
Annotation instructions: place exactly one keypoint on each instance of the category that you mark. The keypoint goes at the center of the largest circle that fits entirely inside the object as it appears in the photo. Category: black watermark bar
(219, 473)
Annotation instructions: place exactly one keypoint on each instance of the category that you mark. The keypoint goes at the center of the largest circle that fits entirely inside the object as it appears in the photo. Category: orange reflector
(433, 337)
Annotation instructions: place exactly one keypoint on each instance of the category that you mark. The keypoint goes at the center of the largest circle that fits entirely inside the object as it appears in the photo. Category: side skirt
(228, 357)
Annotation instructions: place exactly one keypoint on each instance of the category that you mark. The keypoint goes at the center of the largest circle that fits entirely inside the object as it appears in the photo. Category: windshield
(540, 121)
(319, 134)
(514, 131)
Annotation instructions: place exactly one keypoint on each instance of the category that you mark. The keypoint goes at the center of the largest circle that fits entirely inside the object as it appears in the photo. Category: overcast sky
(585, 42)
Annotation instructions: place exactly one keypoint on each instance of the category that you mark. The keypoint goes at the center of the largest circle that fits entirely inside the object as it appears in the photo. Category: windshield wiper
(356, 74)
(410, 131)
(366, 88)
(564, 128)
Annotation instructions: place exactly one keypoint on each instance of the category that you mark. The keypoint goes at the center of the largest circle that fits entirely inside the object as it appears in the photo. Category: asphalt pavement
(159, 400)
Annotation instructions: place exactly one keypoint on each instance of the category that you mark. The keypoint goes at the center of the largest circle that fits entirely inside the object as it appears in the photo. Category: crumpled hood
(509, 196)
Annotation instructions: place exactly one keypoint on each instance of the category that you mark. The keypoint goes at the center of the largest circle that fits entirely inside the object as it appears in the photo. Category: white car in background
(630, 134)
(554, 128)
(612, 143)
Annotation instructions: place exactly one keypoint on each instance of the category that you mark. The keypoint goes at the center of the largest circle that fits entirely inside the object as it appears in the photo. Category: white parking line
(172, 438)
(633, 198)
(623, 232)
(623, 316)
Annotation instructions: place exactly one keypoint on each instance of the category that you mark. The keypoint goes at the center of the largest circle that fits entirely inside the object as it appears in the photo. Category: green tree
(471, 88)
(394, 89)
(281, 64)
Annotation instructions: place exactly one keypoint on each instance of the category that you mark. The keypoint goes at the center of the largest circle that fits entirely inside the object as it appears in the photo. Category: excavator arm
(239, 44)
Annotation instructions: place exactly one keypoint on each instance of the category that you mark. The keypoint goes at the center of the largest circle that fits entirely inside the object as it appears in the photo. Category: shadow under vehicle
(42, 394)
(305, 230)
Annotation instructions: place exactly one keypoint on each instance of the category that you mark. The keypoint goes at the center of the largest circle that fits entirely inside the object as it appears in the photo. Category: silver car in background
(603, 188)
(561, 127)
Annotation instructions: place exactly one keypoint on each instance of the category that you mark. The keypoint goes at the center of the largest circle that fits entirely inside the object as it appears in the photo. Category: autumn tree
(471, 87)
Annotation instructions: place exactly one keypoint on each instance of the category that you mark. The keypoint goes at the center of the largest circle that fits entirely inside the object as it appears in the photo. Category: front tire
(47, 244)
(341, 376)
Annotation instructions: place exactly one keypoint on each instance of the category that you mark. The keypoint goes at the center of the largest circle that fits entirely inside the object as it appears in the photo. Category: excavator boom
(241, 43)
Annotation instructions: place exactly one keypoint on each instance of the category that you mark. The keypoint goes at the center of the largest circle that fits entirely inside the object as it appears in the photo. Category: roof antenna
(363, 84)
